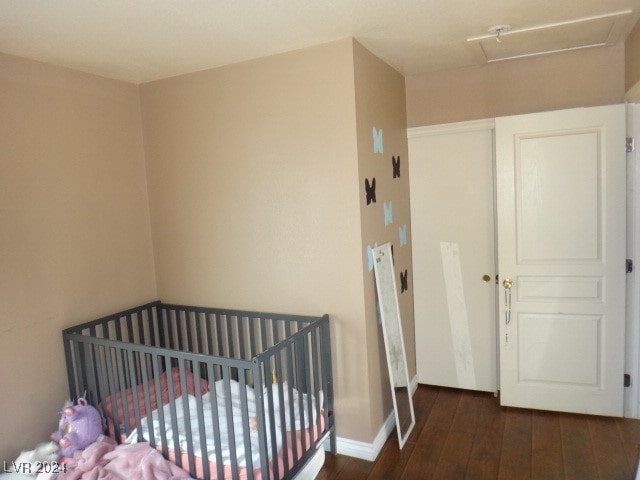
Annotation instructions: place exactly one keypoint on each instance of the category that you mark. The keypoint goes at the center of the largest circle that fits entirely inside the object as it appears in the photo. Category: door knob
(486, 278)
(507, 283)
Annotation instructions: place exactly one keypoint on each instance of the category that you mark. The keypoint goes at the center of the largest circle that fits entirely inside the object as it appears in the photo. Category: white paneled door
(561, 257)
(452, 223)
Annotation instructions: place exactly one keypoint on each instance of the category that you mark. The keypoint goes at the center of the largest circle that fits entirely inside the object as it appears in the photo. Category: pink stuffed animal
(79, 427)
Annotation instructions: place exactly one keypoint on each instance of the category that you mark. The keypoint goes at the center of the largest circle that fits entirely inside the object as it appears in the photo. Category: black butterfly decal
(404, 281)
(395, 162)
(371, 190)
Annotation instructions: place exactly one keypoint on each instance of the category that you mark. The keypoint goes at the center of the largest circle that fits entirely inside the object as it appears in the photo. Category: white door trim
(632, 334)
(468, 126)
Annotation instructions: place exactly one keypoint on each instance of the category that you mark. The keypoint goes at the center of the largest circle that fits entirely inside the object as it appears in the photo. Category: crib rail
(248, 391)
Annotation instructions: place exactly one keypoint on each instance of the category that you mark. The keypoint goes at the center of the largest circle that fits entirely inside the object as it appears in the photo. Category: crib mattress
(230, 427)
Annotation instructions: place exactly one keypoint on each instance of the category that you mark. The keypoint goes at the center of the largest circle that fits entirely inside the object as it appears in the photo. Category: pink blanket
(104, 460)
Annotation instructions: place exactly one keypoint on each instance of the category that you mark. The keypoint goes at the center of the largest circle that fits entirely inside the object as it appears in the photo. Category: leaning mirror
(393, 341)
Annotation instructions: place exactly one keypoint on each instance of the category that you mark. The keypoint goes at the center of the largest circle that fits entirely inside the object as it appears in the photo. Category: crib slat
(209, 329)
(218, 334)
(123, 386)
(112, 389)
(204, 450)
(230, 336)
(187, 417)
(161, 420)
(246, 428)
(142, 340)
(134, 389)
(129, 322)
(101, 389)
(240, 324)
(308, 388)
(152, 321)
(172, 408)
(289, 394)
(298, 447)
(189, 333)
(271, 420)
(147, 402)
(162, 332)
(226, 376)
(89, 388)
(81, 375)
(327, 377)
(274, 332)
(199, 342)
(260, 413)
(316, 378)
(215, 419)
(281, 411)
(252, 337)
(168, 330)
(263, 335)
(301, 357)
(118, 326)
(91, 377)
(68, 353)
(175, 317)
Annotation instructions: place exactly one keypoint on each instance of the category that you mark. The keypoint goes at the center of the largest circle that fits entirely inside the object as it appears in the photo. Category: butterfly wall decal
(403, 235)
(404, 281)
(370, 255)
(395, 163)
(377, 140)
(388, 213)
(370, 189)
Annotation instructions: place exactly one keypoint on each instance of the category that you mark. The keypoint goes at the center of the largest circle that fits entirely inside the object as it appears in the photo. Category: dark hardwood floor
(462, 434)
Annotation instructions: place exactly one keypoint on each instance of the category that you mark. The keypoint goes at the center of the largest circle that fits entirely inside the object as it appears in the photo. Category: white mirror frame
(392, 330)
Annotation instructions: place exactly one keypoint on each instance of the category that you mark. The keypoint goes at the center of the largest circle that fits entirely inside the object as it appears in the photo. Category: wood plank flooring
(462, 434)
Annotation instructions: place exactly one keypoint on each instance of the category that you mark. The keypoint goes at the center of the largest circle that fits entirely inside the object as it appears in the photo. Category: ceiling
(144, 40)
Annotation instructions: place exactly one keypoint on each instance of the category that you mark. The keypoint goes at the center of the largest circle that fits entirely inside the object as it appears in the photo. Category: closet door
(452, 221)
(561, 247)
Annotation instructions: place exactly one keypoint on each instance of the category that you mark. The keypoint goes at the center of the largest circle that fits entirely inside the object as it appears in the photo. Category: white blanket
(219, 403)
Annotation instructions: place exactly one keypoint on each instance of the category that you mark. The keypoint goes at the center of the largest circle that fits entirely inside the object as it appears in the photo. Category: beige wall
(587, 77)
(380, 103)
(75, 240)
(253, 173)
(253, 201)
(632, 64)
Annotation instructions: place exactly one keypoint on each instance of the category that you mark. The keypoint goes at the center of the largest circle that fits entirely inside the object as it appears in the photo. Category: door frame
(632, 331)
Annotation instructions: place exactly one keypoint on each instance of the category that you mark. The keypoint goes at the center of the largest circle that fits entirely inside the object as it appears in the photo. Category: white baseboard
(370, 451)
(413, 385)
(364, 450)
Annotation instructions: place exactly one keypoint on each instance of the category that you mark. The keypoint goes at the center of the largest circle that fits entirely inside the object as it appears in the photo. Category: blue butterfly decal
(370, 189)
(377, 140)
(403, 235)
(370, 254)
(404, 281)
(395, 163)
(388, 213)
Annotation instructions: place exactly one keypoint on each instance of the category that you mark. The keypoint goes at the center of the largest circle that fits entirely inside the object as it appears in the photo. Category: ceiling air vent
(504, 43)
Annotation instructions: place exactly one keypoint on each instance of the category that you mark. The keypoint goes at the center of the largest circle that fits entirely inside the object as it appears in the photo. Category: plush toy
(80, 425)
